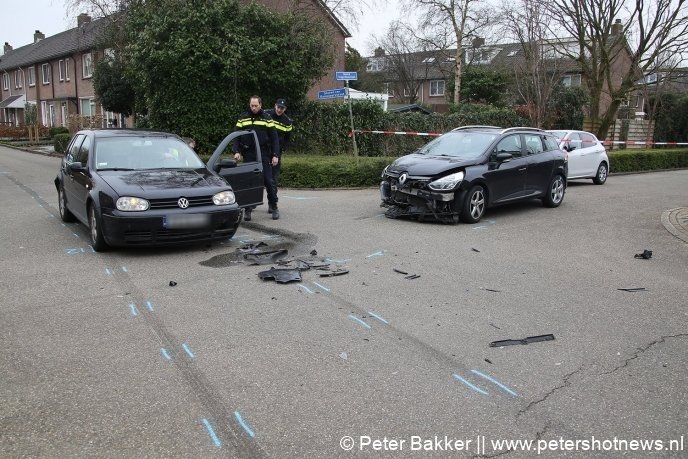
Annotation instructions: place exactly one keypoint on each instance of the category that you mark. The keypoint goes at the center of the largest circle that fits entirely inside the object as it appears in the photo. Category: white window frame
(87, 65)
(428, 60)
(435, 92)
(6, 81)
(45, 73)
(17, 79)
(32, 76)
(67, 69)
(64, 112)
(61, 67)
(91, 106)
(44, 113)
(573, 80)
(375, 64)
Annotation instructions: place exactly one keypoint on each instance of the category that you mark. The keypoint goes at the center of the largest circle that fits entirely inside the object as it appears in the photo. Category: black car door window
(510, 144)
(73, 152)
(84, 149)
(533, 144)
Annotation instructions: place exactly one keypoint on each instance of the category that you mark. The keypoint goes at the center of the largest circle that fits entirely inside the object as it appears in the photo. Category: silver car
(587, 156)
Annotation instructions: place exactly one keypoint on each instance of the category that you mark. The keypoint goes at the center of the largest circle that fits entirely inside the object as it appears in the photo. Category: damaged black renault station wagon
(458, 175)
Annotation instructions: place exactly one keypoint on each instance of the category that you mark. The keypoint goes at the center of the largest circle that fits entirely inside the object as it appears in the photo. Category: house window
(375, 64)
(32, 76)
(18, 79)
(571, 80)
(61, 66)
(5, 81)
(481, 56)
(44, 113)
(437, 88)
(66, 69)
(87, 62)
(45, 69)
(428, 60)
(407, 93)
(88, 107)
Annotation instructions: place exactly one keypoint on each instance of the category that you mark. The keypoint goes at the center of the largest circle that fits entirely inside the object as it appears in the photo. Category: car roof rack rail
(475, 127)
(532, 129)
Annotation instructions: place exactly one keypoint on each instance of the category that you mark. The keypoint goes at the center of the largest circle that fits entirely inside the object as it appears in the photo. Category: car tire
(601, 175)
(555, 192)
(473, 206)
(94, 226)
(65, 214)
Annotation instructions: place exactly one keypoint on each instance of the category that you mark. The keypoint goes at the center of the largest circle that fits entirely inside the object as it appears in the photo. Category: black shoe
(271, 208)
(275, 213)
(247, 215)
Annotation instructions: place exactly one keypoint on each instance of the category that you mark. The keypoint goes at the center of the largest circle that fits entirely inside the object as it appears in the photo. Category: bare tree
(536, 76)
(452, 23)
(618, 41)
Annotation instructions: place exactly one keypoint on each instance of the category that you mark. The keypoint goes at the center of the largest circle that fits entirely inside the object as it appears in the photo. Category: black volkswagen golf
(137, 187)
(458, 175)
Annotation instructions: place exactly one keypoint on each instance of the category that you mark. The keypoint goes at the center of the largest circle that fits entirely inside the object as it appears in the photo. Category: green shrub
(646, 160)
(60, 142)
(331, 171)
(53, 131)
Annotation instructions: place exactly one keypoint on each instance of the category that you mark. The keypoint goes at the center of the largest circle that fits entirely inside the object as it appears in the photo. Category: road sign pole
(351, 117)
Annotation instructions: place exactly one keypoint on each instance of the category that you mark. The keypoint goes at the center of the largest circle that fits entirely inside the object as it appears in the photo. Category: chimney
(379, 52)
(82, 19)
(478, 42)
(38, 36)
(8, 47)
(617, 27)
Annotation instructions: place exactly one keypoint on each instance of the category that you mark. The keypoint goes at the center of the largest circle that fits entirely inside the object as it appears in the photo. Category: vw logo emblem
(403, 177)
(183, 203)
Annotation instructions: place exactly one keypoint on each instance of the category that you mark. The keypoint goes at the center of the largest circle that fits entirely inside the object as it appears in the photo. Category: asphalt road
(101, 357)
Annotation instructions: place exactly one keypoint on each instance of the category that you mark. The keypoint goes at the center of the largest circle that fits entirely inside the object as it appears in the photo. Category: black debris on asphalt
(412, 276)
(265, 258)
(399, 271)
(334, 272)
(633, 289)
(646, 255)
(172, 283)
(528, 340)
(475, 250)
(281, 275)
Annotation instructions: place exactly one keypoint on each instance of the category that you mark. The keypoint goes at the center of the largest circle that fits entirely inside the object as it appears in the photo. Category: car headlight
(129, 204)
(224, 198)
(384, 171)
(447, 183)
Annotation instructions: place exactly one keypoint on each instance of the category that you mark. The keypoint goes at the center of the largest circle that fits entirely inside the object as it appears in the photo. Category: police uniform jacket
(283, 124)
(261, 123)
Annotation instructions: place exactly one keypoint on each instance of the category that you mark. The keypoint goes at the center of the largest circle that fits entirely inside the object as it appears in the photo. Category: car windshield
(462, 144)
(144, 152)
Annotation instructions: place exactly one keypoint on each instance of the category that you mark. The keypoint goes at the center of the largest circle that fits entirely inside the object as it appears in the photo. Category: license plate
(183, 221)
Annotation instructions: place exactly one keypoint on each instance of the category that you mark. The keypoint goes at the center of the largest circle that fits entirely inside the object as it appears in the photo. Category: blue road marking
(378, 317)
(187, 350)
(322, 287)
(306, 288)
(494, 381)
(134, 312)
(243, 424)
(211, 432)
(475, 388)
(359, 321)
(165, 354)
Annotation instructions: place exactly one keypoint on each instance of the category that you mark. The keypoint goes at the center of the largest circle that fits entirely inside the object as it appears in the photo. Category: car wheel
(65, 214)
(97, 240)
(474, 205)
(601, 175)
(555, 192)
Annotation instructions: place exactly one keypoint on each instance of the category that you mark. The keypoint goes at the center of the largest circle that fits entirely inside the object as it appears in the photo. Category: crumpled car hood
(421, 165)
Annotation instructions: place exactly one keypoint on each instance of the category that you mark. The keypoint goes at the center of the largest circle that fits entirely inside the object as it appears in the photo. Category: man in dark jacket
(283, 124)
(255, 119)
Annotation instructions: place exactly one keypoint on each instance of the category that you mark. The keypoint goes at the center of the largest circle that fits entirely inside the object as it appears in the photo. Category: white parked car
(587, 156)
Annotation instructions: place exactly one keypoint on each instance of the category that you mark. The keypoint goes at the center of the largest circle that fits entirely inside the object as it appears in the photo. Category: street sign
(332, 93)
(346, 76)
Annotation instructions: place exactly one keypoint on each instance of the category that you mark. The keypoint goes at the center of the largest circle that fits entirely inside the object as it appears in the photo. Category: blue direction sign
(332, 93)
(346, 76)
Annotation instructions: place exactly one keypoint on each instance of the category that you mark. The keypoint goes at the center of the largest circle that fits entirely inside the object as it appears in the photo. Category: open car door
(245, 178)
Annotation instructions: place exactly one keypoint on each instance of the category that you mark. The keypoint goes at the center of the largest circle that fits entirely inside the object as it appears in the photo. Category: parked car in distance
(587, 156)
(458, 175)
(136, 187)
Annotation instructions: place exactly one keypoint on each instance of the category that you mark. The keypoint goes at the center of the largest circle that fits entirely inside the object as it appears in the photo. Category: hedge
(647, 160)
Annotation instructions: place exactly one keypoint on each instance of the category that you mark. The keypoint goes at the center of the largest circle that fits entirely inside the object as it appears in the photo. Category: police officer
(283, 124)
(257, 120)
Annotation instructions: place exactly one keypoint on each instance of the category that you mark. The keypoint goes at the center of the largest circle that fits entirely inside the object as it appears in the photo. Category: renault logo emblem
(183, 203)
(403, 177)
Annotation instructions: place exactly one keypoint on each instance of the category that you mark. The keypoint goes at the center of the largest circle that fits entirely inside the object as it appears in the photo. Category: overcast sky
(51, 17)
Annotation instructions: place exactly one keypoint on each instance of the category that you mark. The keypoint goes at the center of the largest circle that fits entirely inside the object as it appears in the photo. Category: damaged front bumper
(415, 200)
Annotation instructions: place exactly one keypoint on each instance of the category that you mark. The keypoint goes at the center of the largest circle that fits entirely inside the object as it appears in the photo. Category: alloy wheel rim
(94, 227)
(62, 203)
(477, 204)
(602, 175)
(557, 191)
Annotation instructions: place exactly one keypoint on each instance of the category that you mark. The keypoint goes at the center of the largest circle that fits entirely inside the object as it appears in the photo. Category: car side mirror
(76, 167)
(504, 157)
(225, 164)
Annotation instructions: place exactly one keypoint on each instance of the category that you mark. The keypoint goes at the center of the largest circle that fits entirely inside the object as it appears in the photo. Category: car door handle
(522, 169)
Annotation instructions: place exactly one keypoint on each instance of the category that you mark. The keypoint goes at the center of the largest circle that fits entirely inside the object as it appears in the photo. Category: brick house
(55, 73)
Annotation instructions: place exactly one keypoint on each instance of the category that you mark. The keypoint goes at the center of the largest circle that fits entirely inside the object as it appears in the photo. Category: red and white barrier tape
(437, 134)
